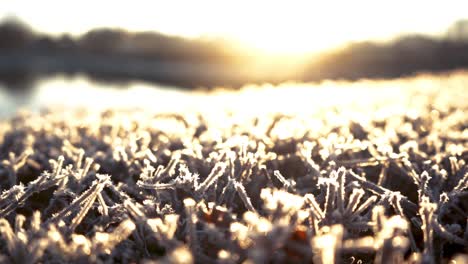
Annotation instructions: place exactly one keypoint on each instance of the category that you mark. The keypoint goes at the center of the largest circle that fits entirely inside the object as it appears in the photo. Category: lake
(288, 98)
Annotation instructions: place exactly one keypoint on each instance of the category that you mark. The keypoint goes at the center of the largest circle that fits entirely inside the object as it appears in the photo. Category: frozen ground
(371, 171)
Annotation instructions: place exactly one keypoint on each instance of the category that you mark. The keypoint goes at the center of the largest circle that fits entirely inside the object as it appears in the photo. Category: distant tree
(44, 43)
(458, 31)
(15, 34)
(66, 42)
(103, 40)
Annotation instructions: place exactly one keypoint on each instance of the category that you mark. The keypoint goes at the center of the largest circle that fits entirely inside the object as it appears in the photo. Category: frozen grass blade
(244, 197)
(314, 207)
(215, 173)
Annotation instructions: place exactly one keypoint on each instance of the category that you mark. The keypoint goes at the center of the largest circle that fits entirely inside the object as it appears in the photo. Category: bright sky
(274, 26)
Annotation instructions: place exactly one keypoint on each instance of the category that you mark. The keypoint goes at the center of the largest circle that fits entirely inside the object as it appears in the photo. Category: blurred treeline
(405, 55)
(119, 55)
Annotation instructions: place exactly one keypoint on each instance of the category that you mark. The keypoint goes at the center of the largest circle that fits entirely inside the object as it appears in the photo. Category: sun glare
(291, 43)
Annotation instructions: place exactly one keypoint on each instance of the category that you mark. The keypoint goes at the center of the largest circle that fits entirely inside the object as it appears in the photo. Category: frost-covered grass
(386, 184)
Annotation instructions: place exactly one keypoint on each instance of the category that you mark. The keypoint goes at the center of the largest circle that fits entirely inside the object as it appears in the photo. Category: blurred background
(54, 45)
